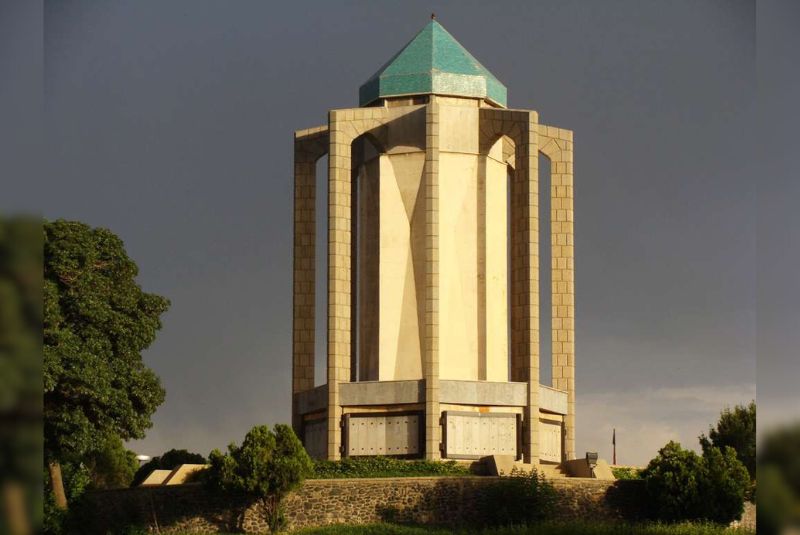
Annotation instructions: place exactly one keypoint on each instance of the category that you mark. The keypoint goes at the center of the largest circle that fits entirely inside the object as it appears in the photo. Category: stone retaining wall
(427, 500)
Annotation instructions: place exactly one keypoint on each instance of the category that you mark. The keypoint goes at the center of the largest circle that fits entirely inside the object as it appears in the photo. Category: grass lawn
(560, 528)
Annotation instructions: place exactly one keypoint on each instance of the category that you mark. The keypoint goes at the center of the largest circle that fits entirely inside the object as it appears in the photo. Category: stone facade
(447, 501)
(433, 272)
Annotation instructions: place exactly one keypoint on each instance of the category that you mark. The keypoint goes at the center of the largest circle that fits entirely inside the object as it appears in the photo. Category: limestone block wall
(448, 501)
(417, 230)
(557, 144)
(309, 146)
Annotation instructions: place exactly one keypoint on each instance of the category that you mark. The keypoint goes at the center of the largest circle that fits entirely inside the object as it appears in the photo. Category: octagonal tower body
(433, 272)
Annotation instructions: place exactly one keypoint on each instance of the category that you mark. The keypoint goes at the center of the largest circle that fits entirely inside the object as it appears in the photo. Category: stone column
(557, 145)
(527, 274)
(339, 286)
(309, 146)
(433, 430)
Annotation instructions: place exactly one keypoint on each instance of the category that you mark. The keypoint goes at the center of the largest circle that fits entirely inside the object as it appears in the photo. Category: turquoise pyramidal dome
(433, 62)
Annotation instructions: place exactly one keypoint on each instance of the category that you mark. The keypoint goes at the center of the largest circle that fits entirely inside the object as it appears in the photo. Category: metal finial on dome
(433, 16)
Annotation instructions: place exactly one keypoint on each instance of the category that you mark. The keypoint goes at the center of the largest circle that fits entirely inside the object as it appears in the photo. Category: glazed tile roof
(433, 62)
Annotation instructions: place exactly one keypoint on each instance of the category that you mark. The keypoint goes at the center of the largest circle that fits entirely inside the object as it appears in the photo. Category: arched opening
(545, 273)
(495, 273)
(365, 258)
(321, 273)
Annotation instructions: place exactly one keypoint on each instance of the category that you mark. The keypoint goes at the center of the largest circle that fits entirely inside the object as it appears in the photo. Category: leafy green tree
(111, 465)
(682, 485)
(168, 461)
(267, 466)
(97, 322)
(736, 428)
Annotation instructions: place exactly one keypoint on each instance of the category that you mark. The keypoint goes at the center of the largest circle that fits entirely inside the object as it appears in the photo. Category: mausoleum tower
(433, 272)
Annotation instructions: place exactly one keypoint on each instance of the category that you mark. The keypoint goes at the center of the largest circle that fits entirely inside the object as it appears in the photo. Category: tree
(267, 466)
(97, 321)
(737, 429)
(111, 465)
(168, 461)
(682, 485)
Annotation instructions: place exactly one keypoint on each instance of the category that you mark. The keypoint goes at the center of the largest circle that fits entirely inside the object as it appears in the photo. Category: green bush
(725, 485)
(626, 472)
(682, 485)
(355, 467)
(520, 498)
(267, 466)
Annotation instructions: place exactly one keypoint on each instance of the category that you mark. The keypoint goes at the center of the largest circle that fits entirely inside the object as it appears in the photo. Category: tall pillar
(522, 128)
(527, 178)
(339, 275)
(557, 145)
(433, 430)
(309, 146)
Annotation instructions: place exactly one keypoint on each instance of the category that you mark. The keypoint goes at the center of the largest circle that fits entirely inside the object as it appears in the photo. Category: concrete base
(579, 468)
(500, 465)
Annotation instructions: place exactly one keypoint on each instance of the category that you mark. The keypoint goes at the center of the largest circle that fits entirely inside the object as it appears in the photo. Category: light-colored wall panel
(381, 393)
(484, 393)
(553, 400)
(550, 440)
(458, 266)
(383, 435)
(496, 227)
(474, 435)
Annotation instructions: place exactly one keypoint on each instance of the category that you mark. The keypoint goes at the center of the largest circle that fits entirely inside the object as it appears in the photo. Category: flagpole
(614, 443)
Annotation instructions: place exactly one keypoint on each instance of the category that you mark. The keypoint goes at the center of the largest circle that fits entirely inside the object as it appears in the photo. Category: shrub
(672, 483)
(724, 485)
(268, 465)
(386, 467)
(520, 498)
(682, 485)
(626, 472)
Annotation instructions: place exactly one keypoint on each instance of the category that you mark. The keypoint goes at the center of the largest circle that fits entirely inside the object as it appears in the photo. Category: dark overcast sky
(171, 124)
